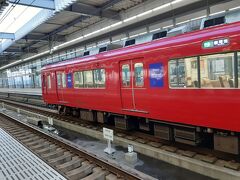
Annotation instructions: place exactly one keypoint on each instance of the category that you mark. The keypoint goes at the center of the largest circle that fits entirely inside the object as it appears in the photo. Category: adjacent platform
(26, 91)
(17, 162)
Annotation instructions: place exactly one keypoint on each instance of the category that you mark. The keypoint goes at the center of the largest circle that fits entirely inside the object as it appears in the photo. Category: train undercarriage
(223, 141)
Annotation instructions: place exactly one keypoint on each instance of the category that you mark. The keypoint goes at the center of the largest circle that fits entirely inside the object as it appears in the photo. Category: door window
(49, 81)
(138, 74)
(64, 84)
(125, 75)
(59, 80)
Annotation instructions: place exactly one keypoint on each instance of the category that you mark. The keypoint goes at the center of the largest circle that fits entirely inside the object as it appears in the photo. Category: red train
(183, 88)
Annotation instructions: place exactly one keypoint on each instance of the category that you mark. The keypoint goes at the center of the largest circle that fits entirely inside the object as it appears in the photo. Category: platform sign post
(108, 135)
(3, 105)
(18, 111)
(50, 120)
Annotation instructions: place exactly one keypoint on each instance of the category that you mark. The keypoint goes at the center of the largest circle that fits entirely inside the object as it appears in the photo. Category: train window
(138, 74)
(191, 73)
(59, 80)
(217, 71)
(177, 73)
(125, 75)
(88, 79)
(99, 77)
(78, 79)
(49, 81)
(64, 80)
(183, 73)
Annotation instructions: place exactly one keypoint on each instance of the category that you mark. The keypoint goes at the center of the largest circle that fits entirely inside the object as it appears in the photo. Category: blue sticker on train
(156, 73)
(69, 80)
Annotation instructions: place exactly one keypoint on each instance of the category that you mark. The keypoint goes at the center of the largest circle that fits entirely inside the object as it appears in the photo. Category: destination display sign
(215, 43)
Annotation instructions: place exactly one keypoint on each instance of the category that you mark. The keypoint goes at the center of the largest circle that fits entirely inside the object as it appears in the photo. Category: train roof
(160, 43)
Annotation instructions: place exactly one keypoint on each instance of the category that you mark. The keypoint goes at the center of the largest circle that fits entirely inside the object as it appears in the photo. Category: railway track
(64, 156)
(205, 155)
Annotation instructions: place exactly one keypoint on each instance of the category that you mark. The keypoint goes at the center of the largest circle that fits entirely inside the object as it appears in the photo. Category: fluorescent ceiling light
(166, 5)
(168, 26)
(154, 30)
(15, 62)
(117, 40)
(183, 22)
(238, 7)
(200, 17)
(130, 19)
(37, 55)
(116, 24)
(145, 13)
(161, 7)
(220, 12)
(176, 1)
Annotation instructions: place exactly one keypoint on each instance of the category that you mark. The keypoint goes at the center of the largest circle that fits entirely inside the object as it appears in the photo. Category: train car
(184, 88)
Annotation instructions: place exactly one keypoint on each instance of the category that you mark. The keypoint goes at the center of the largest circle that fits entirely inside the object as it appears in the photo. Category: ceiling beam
(20, 50)
(178, 12)
(44, 37)
(110, 4)
(93, 11)
(4, 35)
(75, 21)
(45, 4)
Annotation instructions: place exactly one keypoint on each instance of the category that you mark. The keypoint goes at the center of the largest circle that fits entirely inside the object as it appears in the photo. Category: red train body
(151, 81)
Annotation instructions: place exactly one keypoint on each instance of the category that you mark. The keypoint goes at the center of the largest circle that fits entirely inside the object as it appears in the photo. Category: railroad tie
(36, 142)
(22, 134)
(54, 154)
(46, 150)
(98, 174)
(26, 139)
(111, 177)
(81, 172)
(40, 146)
(70, 165)
(16, 130)
(61, 159)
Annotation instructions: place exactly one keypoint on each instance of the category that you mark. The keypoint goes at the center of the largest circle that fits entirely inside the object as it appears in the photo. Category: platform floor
(17, 162)
(28, 91)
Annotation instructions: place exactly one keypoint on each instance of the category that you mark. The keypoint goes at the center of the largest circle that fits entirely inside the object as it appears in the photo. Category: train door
(44, 84)
(61, 86)
(132, 85)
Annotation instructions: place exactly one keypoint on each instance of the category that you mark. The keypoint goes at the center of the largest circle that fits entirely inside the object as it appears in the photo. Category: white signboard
(50, 121)
(108, 134)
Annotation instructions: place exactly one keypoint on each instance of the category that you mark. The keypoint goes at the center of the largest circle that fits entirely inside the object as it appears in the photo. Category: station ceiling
(75, 17)
(83, 14)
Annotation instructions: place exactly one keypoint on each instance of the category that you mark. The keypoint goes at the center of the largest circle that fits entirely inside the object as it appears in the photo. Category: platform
(17, 162)
(27, 91)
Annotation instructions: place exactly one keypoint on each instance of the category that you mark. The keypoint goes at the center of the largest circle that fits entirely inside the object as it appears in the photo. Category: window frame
(235, 73)
(129, 68)
(94, 86)
(134, 75)
(59, 85)
(80, 85)
(64, 85)
(49, 81)
(99, 86)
